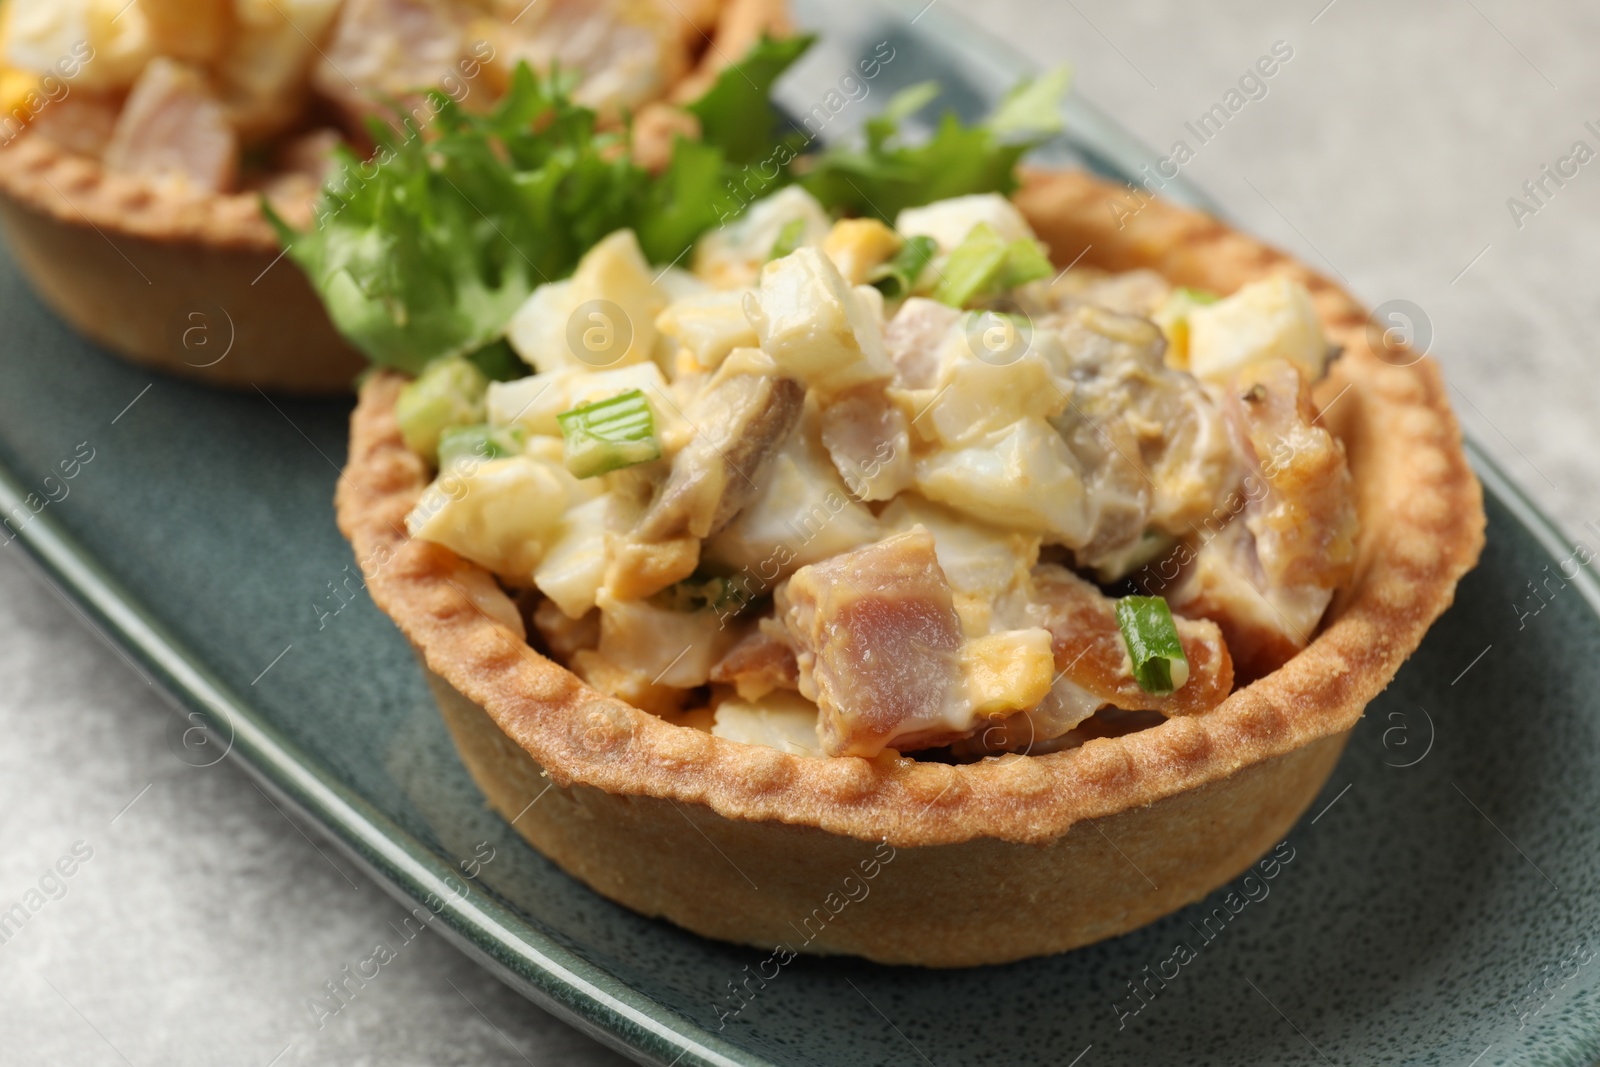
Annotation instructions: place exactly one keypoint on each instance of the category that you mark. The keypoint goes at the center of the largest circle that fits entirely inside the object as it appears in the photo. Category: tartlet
(932, 863)
(190, 282)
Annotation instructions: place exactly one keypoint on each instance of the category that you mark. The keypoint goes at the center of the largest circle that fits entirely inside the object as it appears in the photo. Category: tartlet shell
(997, 860)
(169, 278)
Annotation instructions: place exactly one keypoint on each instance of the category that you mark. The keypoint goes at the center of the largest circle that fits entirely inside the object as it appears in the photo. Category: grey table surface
(1384, 153)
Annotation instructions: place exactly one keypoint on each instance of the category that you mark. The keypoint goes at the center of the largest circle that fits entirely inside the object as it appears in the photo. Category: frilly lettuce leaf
(427, 249)
(885, 175)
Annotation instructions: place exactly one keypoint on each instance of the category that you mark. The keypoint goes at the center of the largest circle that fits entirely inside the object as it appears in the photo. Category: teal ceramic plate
(1437, 908)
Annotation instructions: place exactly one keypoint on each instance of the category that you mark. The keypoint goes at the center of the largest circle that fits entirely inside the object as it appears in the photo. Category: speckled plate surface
(1434, 907)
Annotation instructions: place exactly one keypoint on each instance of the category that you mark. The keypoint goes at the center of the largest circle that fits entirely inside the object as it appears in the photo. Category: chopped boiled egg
(674, 648)
(501, 514)
(574, 566)
(199, 30)
(1023, 476)
(263, 74)
(949, 221)
(603, 316)
(976, 396)
(782, 720)
(802, 514)
(534, 402)
(1007, 672)
(815, 326)
(709, 325)
(1270, 319)
(552, 450)
(856, 246)
(731, 256)
(110, 40)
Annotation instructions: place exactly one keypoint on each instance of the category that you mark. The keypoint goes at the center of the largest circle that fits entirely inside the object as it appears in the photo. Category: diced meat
(914, 337)
(869, 442)
(627, 52)
(309, 154)
(1268, 575)
(1265, 624)
(739, 420)
(1091, 653)
(301, 165)
(759, 662)
(878, 642)
(173, 126)
(389, 50)
(1305, 527)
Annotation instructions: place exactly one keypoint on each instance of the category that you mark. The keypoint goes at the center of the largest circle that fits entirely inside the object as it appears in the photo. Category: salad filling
(853, 469)
(839, 522)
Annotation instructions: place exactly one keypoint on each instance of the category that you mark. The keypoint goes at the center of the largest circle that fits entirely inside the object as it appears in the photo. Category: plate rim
(553, 977)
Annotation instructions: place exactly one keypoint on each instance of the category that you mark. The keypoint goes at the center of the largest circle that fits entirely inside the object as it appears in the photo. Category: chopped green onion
(448, 393)
(461, 443)
(788, 239)
(608, 435)
(984, 265)
(890, 173)
(1033, 108)
(908, 101)
(1195, 296)
(1159, 665)
(1025, 262)
(898, 277)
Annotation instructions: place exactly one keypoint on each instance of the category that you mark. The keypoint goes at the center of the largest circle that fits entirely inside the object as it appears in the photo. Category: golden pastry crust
(1421, 528)
(136, 269)
(127, 262)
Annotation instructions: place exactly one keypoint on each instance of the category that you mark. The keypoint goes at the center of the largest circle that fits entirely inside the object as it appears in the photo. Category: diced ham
(301, 165)
(1305, 527)
(869, 442)
(759, 662)
(173, 126)
(384, 50)
(914, 337)
(1265, 624)
(879, 644)
(1268, 575)
(627, 52)
(1090, 651)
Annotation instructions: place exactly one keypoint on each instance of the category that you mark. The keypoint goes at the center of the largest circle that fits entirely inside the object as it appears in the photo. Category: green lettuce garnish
(885, 175)
(426, 250)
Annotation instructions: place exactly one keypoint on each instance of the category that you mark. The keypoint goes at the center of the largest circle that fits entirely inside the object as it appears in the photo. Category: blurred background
(1384, 153)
